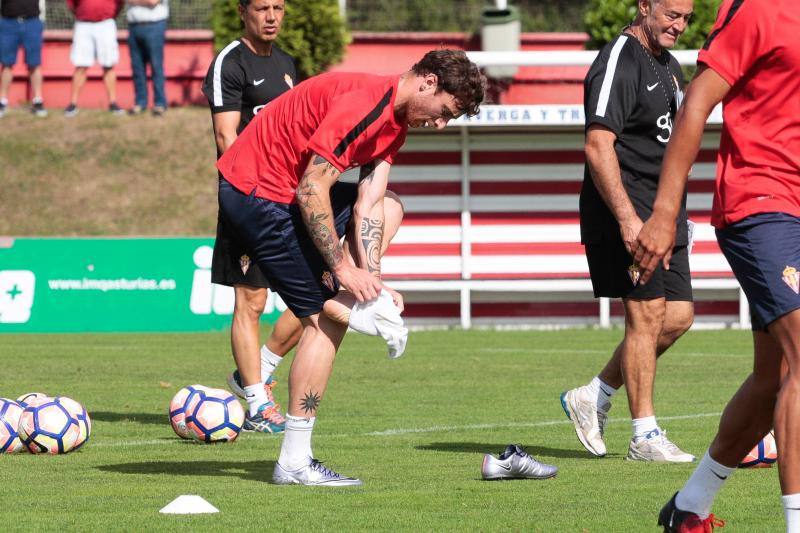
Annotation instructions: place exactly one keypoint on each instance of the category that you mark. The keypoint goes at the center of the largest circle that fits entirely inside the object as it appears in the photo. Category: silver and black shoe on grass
(515, 463)
(314, 473)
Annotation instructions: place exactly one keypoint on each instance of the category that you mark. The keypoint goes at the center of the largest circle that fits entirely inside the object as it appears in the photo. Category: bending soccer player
(632, 92)
(751, 63)
(280, 195)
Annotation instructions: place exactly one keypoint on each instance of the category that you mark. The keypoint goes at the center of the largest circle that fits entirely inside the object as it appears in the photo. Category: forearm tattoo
(371, 240)
(310, 402)
(317, 213)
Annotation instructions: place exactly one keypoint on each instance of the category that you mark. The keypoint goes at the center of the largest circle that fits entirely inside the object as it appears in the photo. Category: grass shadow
(251, 470)
(139, 418)
(478, 447)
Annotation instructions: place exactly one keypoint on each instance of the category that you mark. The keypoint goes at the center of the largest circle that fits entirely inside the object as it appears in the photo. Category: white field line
(608, 352)
(411, 431)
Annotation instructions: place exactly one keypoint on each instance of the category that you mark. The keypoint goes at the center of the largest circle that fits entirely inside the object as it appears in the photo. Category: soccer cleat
(159, 111)
(314, 473)
(515, 463)
(588, 420)
(268, 419)
(3, 108)
(381, 317)
(673, 520)
(38, 110)
(71, 110)
(236, 387)
(136, 110)
(114, 109)
(656, 447)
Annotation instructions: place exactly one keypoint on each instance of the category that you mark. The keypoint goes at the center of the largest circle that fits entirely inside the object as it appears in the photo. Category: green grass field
(414, 430)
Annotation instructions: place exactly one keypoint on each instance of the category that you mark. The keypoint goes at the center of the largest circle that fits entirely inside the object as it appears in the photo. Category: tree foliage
(313, 32)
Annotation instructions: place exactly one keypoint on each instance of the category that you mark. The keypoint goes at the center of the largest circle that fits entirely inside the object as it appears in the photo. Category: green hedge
(604, 19)
(312, 32)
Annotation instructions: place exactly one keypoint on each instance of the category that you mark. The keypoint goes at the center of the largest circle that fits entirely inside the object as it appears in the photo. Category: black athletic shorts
(275, 235)
(231, 263)
(614, 275)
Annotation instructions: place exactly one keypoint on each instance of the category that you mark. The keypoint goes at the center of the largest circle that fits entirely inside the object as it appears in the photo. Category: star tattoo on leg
(310, 402)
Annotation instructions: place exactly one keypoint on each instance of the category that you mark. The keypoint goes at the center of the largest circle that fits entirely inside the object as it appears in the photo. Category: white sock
(698, 494)
(603, 392)
(269, 362)
(256, 396)
(37, 101)
(296, 447)
(643, 426)
(791, 510)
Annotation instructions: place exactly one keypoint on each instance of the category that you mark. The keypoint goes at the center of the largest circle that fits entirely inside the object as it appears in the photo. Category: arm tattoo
(371, 240)
(310, 402)
(317, 216)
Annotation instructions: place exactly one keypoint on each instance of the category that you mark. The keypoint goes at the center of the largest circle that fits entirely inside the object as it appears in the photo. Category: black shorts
(275, 235)
(231, 263)
(764, 253)
(610, 267)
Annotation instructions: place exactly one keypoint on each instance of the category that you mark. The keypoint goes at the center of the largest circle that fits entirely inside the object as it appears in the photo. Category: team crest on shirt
(792, 278)
(327, 280)
(288, 80)
(634, 274)
(244, 262)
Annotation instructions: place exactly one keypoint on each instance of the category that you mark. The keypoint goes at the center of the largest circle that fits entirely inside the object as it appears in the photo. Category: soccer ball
(763, 455)
(177, 409)
(214, 415)
(48, 426)
(25, 399)
(10, 411)
(79, 414)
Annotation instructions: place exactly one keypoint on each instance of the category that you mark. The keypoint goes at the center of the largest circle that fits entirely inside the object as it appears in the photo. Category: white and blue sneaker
(314, 473)
(515, 463)
(237, 387)
(589, 421)
(656, 447)
(268, 419)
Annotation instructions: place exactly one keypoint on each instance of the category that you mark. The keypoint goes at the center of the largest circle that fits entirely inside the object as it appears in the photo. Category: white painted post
(466, 231)
(605, 313)
(744, 310)
(501, 4)
(343, 9)
(466, 308)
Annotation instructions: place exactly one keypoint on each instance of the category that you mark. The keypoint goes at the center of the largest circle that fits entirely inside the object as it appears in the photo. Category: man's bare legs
(766, 398)
(78, 80)
(651, 327)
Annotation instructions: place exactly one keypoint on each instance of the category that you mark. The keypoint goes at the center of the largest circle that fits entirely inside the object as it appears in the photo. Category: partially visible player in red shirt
(279, 194)
(750, 63)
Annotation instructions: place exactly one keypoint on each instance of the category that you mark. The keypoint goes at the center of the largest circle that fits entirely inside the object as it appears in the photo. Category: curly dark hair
(457, 75)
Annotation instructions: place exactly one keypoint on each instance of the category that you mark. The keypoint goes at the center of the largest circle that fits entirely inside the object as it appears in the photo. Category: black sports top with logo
(636, 95)
(240, 80)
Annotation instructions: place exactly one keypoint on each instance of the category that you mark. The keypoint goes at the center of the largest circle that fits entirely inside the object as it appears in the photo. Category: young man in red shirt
(279, 195)
(750, 63)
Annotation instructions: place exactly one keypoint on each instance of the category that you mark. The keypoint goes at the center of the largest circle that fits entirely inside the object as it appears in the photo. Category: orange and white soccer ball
(10, 411)
(48, 426)
(177, 409)
(763, 455)
(214, 415)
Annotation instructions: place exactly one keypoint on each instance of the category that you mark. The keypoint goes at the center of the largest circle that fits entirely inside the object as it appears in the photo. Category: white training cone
(189, 504)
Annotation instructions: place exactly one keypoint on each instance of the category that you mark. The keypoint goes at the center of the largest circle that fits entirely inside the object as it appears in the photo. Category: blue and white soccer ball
(763, 455)
(214, 415)
(31, 396)
(54, 425)
(10, 412)
(177, 409)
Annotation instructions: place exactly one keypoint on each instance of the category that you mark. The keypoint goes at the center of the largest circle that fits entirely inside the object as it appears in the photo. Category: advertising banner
(95, 285)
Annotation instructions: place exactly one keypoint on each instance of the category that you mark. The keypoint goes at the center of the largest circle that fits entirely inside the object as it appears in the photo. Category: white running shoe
(656, 447)
(381, 317)
(314, 473)
(589, 421)
(515, 463)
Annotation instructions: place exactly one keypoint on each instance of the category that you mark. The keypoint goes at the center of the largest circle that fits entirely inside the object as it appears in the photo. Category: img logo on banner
(16, 296)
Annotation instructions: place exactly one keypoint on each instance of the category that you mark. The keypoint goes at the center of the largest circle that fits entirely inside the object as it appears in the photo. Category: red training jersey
(755, 47)
(95, 10)
(346, 118)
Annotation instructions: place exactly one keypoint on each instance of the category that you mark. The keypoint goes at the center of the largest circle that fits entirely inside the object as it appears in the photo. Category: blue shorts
(26, 33)
(275, 236)
(764, 253)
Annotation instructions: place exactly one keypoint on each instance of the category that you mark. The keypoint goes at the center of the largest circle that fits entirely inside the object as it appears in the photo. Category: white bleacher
(492, 225)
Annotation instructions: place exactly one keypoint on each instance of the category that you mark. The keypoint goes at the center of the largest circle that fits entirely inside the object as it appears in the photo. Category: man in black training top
(632, 92)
